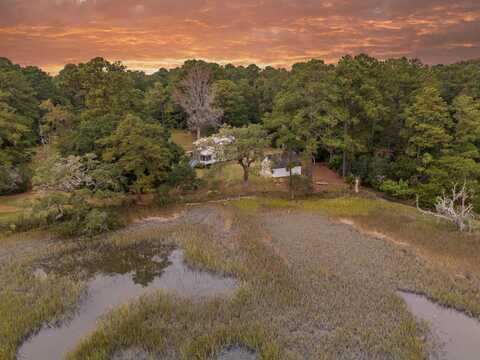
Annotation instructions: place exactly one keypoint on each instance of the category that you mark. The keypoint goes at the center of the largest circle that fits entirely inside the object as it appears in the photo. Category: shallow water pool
(459, 334)
(108, 290)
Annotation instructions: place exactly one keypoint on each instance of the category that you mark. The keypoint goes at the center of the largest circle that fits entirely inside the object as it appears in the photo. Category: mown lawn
(227, 178)
(12, 206)
(183, 138)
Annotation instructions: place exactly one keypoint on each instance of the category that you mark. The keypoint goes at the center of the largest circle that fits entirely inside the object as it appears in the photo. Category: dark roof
(282, 160)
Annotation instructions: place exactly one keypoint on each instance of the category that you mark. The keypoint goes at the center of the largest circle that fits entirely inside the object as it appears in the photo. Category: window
(205, 157)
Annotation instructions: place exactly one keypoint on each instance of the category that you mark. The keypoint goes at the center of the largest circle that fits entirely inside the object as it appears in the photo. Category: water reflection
(459, 334)
(144, 262)
(117, 279)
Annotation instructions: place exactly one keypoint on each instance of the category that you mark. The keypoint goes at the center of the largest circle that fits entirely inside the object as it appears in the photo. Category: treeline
(113, 123)
(403, 127)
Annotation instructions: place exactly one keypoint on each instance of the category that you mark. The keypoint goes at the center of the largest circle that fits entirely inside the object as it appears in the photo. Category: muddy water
(108, 290)
(459, 334)
(237, 354)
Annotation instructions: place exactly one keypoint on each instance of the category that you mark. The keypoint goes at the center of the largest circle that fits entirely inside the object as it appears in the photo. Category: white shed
(277, 165)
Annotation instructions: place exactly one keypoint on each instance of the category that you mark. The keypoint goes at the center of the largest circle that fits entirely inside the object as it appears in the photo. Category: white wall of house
(284, 172)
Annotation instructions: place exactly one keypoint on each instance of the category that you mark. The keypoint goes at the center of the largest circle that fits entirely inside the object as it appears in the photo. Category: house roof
(282, 160)
(214, 140)
(207, 151)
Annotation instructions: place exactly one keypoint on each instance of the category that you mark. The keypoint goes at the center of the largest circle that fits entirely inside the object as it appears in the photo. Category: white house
(277, 165)
(211, 150)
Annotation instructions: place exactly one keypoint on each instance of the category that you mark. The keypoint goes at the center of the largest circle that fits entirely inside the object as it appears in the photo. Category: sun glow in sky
(149, 34)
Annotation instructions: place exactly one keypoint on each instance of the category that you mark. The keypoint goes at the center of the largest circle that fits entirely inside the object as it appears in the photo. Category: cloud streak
(148, 34)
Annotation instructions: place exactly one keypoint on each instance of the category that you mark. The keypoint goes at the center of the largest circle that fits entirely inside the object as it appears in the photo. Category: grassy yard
(311, 286)
(11, 206)
(227, 178)
(183, 138)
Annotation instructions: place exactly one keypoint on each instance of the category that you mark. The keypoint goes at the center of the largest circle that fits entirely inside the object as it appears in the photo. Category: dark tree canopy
(397, 124)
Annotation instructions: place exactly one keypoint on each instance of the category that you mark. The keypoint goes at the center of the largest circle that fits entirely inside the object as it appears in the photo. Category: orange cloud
(147, 34)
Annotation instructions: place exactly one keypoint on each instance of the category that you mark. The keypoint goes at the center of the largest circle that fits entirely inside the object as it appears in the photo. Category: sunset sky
(148, 34)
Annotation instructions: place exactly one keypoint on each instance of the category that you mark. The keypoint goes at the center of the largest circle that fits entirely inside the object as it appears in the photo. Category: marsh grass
(173, 327)
(452, 254)
(279, 311)
(26, 303)
(435, 239)
(283, 309)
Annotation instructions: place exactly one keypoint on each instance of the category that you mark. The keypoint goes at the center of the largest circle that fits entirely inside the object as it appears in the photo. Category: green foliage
(15, 136)
(18, 115)
(301, 185)
(160, 106)
(397, 189)
(56, 120)
(248, 145)
(67, 215)
(42, 84)
(427, 123)
(229, 97)
(162, 196)
(394, 119)
(371, 170)
(14, 179)
(467, 131)
(443, 173)
(141, 150)
(183, 176)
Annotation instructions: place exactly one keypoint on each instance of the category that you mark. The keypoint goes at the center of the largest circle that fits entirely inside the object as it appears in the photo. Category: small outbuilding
(210, 150)
(277, 165)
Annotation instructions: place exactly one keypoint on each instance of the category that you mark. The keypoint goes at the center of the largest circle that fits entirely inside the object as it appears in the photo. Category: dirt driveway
(325, 179)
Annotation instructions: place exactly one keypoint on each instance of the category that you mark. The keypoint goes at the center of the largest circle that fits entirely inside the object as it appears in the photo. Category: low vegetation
(308, 285)
(102, 146)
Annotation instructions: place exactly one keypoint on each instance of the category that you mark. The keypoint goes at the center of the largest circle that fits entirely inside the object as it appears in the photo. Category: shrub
(335, 162)
(301, 185)
(360, 167)
(398, 190)
(13, 180)
(67, 215)
(183, 176)
(96, 222)
(162, 196)
(350, 180)
(371, 170)
(403, 167)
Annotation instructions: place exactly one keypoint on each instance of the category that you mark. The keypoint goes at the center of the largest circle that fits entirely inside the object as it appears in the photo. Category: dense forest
(402, 127)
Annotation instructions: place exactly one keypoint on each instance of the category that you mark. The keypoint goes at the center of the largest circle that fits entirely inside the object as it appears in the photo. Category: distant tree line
(402, 127)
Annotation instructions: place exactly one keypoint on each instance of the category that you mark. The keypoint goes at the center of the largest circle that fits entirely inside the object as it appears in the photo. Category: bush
(301, 185)
(67, 215)
(96, 222)
(13, 180)
(183, 177)
(398, 190)
(162, 196)
(371, 170)
(350, 180)
(335, 163)
(403, 167)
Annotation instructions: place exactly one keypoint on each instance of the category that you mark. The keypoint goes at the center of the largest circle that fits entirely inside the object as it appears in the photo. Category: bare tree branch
(454, 209)
(196, 96)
